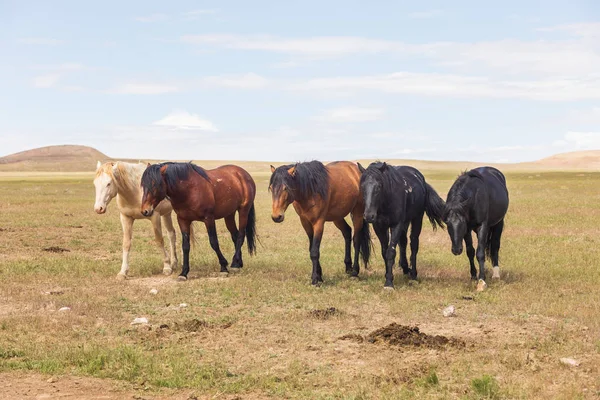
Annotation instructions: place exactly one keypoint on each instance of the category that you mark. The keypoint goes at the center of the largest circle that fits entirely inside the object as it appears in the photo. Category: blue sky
(275, 80)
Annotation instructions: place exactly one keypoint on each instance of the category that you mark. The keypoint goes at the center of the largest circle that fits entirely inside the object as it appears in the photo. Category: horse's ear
(292, 171)
(98, 165)
(272, 169)
(361, 168)
(148, 165)
(383, 167)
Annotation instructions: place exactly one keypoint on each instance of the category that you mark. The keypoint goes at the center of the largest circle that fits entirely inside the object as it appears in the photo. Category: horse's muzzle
(147, 213)
(457, 251)
(278, 218)
(369, 217)
(100, 210)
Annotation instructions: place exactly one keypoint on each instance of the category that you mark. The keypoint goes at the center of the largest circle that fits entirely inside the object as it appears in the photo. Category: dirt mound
(191, 325)
(55, 249)
(401, 335)
(66, 158)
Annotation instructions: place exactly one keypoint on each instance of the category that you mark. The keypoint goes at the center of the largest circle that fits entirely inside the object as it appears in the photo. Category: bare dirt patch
(55, 249)
(325, 313)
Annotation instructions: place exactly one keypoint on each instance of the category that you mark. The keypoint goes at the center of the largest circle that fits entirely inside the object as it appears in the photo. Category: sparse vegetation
(259, 335)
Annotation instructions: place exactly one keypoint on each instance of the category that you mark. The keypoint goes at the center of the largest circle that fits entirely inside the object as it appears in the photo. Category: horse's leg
(184, 226)
(403, 258)
(127, 225)
(343, 226)
(243, 219)
(358, 224)
(391, 255)
(214, 242)
(168, 222)
(415, 232)
(383, 234)
(482, 242)
(160, 242)
(315, 252)
(495, 248)
(471, 254)
(235, 235)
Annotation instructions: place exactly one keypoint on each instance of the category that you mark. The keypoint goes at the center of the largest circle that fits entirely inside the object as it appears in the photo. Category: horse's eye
(285, 188)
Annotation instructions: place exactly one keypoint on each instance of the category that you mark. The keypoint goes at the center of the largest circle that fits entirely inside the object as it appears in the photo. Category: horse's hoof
(413, 282)
(496, 273)
(167, 271)
(235, 270)
(182, 278)
(121, 277)
(224, 274)
(317, 284)
(481, 285)
(389, 288)
(354, 277)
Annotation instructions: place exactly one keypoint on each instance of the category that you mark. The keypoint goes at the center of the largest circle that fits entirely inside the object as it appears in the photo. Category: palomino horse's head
(371, 186)
(154, 186)
(282, 186)
(455, 217)
(106, 188)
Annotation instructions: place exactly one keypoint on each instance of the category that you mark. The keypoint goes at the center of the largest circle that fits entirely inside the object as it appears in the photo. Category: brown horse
(204, 195)
(322, 193)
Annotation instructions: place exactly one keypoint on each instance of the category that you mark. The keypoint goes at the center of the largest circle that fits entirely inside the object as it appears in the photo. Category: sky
(502, 81)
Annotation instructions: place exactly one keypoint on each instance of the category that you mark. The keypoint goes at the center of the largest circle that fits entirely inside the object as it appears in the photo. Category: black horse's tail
(251, 231)
(365, 243)
(434, 207)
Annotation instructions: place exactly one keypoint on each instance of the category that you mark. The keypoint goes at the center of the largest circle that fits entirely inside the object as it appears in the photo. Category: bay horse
(321, 193)
(203, 195)
(122, 180)
(478, 201)
(397, 197)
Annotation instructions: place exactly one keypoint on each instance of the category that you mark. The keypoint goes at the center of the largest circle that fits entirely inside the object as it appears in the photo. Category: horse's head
(154, 186)
(282, 186)
(371, 186)
(106, 188)
(455, 218)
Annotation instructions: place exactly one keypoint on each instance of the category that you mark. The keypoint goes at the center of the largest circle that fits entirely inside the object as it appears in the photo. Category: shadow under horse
(321, 193)
(478, 201)
(203, 195)
(397, 197)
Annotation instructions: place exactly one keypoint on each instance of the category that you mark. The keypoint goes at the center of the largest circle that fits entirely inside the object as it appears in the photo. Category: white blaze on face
(105, 192)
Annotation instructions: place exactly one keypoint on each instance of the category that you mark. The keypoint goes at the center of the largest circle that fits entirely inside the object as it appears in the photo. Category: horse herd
(391, 198)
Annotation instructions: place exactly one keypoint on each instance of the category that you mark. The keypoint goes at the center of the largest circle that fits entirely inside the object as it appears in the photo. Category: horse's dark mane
(374, 169)
(310, 178)
(458, 196)
(174, 173)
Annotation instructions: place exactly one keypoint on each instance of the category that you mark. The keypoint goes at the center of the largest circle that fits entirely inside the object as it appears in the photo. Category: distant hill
(589, 159)
(64, 158)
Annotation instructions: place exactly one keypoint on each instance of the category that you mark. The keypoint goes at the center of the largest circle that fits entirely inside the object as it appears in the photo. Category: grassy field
(256, 334)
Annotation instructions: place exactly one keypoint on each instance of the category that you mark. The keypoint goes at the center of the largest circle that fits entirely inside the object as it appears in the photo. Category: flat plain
(266, 333)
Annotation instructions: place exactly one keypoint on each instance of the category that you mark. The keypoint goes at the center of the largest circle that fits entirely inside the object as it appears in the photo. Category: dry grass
(256, 334)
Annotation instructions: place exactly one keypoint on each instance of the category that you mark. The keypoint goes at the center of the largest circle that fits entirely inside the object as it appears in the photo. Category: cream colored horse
(122, 180)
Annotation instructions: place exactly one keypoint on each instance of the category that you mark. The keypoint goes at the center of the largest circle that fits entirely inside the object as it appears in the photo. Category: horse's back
(495, 182)
(232, 182)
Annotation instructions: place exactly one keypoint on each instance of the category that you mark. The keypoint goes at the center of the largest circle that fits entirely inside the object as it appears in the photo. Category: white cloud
(45, 81)
(196, 14)
(459, 86)
(322, 47)
(579, 141)
(244, 81)
(41, 41)
(144, 88)
(425, 14)
(185, 120)
(588, 116)
(151, 18)
(585, 29)
(350, 114)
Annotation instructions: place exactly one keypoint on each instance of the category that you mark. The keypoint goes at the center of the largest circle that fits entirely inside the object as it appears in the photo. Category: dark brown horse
(322, 193)
(200, 195)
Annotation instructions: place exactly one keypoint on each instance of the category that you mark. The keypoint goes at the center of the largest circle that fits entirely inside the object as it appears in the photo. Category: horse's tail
(365, 243)
(251, 231)
(488, 245)
(434, 207)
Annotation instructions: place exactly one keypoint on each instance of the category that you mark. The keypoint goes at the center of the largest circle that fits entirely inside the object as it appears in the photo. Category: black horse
(396, 197)
(477, 201)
